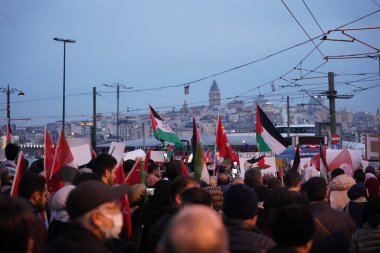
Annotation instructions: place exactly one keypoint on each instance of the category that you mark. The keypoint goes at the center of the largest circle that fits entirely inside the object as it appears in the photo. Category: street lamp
(64, 77)
(117, 105)
(8, 91)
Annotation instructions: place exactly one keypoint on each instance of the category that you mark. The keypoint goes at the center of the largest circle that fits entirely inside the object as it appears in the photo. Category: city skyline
(172, 43)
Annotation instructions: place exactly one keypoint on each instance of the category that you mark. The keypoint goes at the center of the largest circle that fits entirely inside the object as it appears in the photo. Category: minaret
(214, 95)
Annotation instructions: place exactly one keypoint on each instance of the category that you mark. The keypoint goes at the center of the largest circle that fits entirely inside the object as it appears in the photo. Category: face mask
(117, 220)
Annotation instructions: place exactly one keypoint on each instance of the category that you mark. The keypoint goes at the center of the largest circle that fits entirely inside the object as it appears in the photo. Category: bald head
(196, 229)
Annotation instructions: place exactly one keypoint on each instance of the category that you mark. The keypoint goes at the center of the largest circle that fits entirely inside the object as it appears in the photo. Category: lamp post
(117, 104)
(8, 91)
(64, 77)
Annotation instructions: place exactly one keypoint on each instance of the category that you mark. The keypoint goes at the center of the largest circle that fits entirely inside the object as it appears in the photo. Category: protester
(273, 183)
(358, 202)
(33, 188)
(292, 181)
(253, 177)
(179, 185)
(37, 167)
(338, 188)
(367, 239)
(275, 200)
(196, 196)
(359, 176)
(5, 181)
(372, 186)
(240, 211)
(11, 153)
(173, 170)
(333, 228)
(59, 221)
(153, 175)
(224, 182)
(20, 231)
(96, 218)
(196, 229)
(293, 230)
(105, 167)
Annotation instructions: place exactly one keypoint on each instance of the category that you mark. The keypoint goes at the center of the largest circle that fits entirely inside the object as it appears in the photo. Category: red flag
(48, 155)
(134, 176)
(63, 156)
(9, 134)
(120, 176)
(221, 140)
(207, 157)
(147, 157)
(126, 210)
(184, 171)
(20, 170)
(341, 158)
(126, 215)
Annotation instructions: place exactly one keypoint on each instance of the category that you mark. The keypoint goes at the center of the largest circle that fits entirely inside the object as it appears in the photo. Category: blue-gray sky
(147, 44)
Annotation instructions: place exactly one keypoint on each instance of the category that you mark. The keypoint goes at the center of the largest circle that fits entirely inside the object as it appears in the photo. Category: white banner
(252, 159)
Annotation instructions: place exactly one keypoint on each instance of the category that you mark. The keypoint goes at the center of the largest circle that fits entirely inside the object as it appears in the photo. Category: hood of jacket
(341, 183)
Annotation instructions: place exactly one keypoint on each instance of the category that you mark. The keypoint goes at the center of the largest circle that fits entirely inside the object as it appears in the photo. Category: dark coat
(158, 230)
(78, 240)
(245, 238)
(365, 240)
(333, 229)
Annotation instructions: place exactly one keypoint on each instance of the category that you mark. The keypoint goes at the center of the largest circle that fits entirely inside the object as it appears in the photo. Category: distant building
(214, 95)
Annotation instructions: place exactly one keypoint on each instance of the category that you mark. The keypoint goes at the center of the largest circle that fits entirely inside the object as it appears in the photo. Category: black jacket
(244, 238)
(78, 240)
(333, 229)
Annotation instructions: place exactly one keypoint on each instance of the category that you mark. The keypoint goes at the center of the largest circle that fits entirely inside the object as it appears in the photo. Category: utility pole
(143, 127)
(331, 96)
(117, 112)
(93, 133)
(64, 77)
(288, 116)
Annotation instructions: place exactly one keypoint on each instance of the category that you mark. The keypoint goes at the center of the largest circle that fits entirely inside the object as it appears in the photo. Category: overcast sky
(150, 44)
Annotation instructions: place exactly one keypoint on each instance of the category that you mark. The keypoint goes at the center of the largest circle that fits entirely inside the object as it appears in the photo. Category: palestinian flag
(200, 168)
(267, 137)
(170, 152)
(162, 131)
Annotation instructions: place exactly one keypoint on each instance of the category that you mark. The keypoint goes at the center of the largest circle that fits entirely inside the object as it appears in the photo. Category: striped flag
(200, 168)
(161, 130)
(267, 137)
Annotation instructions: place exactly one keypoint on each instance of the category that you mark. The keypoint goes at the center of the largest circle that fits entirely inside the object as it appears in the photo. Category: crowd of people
(176, 213)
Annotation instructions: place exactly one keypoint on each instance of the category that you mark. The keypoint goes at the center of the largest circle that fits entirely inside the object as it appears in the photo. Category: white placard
(269, 160)
(157, 156)
(134, 154)
(117, 150)
(82, 154)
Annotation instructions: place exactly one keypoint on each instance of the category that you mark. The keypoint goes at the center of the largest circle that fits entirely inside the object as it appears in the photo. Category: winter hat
(356, 191)
(91, 194)
(216, 196)
(240, 202)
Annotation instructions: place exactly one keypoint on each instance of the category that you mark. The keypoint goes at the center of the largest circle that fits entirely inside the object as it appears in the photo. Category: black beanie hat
(356, 191)
(240, 202)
